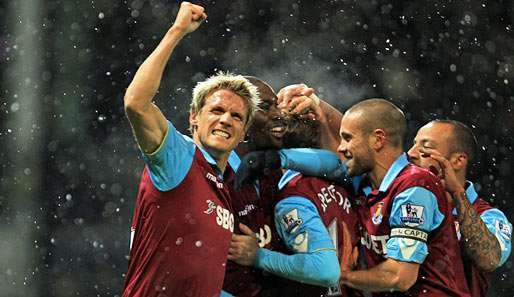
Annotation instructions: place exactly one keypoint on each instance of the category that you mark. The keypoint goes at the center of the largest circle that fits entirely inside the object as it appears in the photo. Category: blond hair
(226, 81)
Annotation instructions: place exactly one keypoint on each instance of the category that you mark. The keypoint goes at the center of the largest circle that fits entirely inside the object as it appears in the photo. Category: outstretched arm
(148, 122)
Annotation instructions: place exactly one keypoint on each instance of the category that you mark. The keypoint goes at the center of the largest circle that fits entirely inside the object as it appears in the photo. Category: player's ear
(377, 139)
(193, 118)
(459, 160)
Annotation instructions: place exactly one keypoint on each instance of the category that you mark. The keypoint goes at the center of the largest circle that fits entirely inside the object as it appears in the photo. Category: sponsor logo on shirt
(264, 236)
(224, 218)
(377, 216)
(214, 179)
(377, 243)
(291, 221)
(412, 215)
(246, 211)
(210, 207)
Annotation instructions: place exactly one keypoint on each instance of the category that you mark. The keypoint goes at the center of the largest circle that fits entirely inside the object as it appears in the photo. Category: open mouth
(277, 131)
(221, 133)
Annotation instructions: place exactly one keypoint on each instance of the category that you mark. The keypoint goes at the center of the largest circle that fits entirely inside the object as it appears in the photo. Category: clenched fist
(189, 17)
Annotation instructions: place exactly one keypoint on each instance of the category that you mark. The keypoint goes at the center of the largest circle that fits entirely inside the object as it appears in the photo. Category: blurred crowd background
(70, 166)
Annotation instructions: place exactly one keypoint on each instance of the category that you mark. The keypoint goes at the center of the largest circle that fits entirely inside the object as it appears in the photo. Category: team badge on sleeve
(291, 220)
(504, 230)
(412, 215)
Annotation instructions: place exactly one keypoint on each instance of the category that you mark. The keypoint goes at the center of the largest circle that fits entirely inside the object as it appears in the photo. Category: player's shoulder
(481, 205)
(418, 176)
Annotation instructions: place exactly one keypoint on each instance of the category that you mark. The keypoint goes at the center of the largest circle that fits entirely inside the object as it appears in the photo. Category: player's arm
(299, 98)
(414, 214)
(390, 275)
(313, 162)
(480, 245)
(314, 259)
(487, 237)
(148, 122)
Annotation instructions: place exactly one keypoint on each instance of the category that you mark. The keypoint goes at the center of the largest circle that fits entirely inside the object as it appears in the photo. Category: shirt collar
(471, 192)
(391, 174)
(393, 171)
(233, 159)
(286, 178)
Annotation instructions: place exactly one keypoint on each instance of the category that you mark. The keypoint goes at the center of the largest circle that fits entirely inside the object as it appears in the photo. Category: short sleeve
(300, 227)
(414, 214)
(171, 162)
(497, 224)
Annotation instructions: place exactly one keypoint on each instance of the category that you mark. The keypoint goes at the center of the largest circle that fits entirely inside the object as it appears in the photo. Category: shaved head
(376, 113)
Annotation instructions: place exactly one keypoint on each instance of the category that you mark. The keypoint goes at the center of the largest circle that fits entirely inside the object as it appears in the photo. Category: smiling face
(355, 147)
(220, 124)
(267, 129)
(434, 136)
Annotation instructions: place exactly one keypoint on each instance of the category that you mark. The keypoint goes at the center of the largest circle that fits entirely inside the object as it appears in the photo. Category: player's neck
(383, 161)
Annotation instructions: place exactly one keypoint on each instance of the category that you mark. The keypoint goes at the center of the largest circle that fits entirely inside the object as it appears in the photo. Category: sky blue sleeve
(300, 227)
(225, 294)
(497, 224)
(171, 162)
(414, 214)
(314, 162)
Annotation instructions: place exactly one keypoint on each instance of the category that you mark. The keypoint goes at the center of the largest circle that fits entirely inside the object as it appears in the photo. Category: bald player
(484, 231)
(404, 211)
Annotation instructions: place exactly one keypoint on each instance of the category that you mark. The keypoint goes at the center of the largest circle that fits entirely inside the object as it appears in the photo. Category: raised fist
(189, 17)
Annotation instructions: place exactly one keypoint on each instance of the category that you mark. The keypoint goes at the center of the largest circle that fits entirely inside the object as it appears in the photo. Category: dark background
(70, 166)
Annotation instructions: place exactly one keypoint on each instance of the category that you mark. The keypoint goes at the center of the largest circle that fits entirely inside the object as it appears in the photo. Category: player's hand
(446, 172)
(256, 164)
(189, 17)
(299, 99)
(243, 248)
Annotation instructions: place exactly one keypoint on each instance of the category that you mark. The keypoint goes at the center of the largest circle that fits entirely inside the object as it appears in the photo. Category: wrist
(176, 31)
(259, 257)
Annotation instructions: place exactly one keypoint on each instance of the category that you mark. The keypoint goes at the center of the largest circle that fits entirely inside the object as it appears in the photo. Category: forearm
(319, 268)
(315, 162)
(480, 245)
(330, 138)
(370, 280)
(147, 79)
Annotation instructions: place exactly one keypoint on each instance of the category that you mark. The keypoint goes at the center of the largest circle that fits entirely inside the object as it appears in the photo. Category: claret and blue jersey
(183, 222)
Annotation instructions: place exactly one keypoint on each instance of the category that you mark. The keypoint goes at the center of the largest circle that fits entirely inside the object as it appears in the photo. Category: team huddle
(283, 195)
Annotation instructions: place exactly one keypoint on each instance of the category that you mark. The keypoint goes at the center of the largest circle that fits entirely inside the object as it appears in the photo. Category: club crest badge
(457, 230)
(412, 215)
(377, 216)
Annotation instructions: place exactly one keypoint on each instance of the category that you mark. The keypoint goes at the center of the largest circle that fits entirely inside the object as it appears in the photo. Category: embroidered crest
(457, 230)
(412, 215)
(377, 216)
